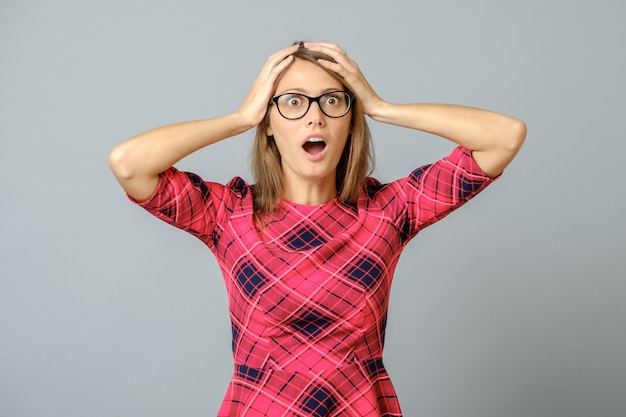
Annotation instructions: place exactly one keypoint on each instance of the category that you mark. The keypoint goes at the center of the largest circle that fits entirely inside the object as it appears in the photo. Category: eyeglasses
(294, 106)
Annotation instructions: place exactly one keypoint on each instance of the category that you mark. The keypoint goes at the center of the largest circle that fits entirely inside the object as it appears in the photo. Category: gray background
(513, 306)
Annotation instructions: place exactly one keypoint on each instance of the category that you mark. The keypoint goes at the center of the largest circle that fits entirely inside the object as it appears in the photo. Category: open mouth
(314, 146)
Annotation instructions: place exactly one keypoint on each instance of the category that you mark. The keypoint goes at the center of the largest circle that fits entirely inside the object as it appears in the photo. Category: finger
(324, 45)
(283, 53)
(274, 66)
(331, 49)
(278, 59)
(343, 65)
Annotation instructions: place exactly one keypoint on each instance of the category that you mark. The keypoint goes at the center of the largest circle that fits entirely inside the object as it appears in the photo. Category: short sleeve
(428, 194)
(187, 202)
(435, 190)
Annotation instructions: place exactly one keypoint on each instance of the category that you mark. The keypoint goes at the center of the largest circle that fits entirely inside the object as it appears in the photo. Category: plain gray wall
(513, 306)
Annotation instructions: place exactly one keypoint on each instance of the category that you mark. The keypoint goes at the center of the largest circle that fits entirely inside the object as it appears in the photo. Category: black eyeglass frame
(311, 100)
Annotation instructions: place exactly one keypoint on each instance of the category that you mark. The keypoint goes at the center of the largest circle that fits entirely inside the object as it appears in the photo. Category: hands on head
(255, 105)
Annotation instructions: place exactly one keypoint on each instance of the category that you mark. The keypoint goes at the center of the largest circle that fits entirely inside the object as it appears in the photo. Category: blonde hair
(355, 164)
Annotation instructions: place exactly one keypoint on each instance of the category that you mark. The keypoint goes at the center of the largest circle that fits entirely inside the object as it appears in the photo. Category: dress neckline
(305, 208)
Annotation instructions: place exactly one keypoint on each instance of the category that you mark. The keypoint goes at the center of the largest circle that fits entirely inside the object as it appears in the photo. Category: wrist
(379, 110)
(240, 122)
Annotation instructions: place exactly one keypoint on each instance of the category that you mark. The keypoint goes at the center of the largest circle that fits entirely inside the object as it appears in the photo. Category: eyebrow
(304, 91)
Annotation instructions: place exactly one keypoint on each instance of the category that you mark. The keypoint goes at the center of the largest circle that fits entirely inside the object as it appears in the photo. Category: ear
(268, 130)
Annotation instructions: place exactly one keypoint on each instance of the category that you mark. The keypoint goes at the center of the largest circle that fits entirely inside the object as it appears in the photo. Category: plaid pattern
(308, 302)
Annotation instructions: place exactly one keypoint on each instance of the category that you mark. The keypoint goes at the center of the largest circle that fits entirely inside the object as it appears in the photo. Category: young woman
(308, 252)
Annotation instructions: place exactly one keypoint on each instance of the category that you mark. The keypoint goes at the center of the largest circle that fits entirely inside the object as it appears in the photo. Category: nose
(314, 116)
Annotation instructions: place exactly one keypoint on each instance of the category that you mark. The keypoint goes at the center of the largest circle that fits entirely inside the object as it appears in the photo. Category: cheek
(345, 128)
(280, 128)
(275, 123)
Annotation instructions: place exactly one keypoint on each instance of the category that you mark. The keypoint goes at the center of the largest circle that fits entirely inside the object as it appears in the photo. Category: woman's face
(310, 147)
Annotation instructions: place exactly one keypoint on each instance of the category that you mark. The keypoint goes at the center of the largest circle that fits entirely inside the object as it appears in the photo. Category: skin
(136, 163)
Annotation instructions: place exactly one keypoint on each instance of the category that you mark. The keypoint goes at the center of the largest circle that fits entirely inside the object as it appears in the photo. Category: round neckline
(306, 208)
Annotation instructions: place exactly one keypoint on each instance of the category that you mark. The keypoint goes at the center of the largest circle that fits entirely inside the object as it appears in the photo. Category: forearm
(469, 127)
(152, 152)
(494, 138)
(137, 162)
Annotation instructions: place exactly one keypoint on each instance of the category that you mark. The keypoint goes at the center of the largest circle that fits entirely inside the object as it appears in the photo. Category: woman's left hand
(493, 138)
(349, 70)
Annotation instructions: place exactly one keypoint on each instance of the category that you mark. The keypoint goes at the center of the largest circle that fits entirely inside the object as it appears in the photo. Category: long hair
(355, 164)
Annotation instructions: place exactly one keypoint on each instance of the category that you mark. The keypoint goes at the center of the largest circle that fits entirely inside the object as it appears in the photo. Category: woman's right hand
(138, 162)
(254, 107)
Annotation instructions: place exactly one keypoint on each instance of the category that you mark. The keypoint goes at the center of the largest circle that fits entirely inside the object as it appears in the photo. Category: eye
(293, 100)
(334, 99)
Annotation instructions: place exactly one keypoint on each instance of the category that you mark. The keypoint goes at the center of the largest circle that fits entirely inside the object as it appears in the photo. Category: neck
(310, 194)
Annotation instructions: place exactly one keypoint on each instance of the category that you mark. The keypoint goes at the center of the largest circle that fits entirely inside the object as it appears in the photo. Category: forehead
(306, 77)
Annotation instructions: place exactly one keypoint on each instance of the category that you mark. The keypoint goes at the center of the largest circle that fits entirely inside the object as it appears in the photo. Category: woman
(308, 252)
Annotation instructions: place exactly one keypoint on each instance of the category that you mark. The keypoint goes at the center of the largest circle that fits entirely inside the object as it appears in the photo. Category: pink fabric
(308, 302)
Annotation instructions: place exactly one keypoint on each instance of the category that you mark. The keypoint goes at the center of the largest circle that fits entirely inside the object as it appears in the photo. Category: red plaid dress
(308, 301)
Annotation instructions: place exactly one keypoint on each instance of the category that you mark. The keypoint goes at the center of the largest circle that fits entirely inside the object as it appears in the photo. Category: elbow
(516, 136)
(510, 138)
(118, 162)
